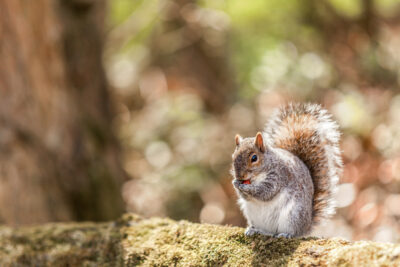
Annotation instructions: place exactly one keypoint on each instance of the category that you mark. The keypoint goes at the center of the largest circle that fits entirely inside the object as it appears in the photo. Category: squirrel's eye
(254, 158)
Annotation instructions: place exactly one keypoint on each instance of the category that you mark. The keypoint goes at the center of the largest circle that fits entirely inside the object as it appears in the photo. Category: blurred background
(133, 105)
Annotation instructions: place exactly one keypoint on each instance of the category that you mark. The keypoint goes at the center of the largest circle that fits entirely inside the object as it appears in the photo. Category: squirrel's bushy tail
(307, 131)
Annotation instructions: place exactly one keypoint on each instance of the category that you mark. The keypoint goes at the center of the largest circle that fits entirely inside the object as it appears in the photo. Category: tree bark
(133, 241)
(58, 157)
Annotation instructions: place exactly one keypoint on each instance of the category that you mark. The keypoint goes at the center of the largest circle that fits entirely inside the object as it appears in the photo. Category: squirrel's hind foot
(251, 230)
(285, 235)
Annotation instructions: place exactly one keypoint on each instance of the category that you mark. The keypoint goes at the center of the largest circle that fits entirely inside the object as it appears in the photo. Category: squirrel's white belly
(271, 217)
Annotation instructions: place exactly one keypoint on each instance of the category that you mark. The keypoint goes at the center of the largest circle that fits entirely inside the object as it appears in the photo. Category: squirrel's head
(248, 157)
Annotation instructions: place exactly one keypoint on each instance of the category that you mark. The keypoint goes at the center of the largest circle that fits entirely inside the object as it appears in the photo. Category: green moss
(135, 241)
(60, 245)
(164, 242)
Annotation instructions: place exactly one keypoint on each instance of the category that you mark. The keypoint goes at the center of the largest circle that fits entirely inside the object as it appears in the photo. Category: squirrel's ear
(259, 142)
(238, 139)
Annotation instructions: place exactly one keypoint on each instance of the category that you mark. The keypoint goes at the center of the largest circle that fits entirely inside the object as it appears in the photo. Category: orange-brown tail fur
(307, 131)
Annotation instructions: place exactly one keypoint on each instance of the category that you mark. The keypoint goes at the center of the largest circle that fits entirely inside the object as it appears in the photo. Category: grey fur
(280, 199)
(281, 171)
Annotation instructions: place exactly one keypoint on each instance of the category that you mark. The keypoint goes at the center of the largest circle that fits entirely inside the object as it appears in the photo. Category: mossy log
(135, 241)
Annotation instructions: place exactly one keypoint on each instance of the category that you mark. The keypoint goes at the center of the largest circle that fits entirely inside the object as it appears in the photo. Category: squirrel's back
(307, 131)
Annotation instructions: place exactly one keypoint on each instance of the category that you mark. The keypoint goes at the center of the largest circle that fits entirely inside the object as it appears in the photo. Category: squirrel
(286, 176)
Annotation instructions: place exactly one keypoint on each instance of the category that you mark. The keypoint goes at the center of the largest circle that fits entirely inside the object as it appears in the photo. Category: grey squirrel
(285, 177)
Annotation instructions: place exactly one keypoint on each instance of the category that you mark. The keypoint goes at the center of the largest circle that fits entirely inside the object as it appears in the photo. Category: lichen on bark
(133, 241)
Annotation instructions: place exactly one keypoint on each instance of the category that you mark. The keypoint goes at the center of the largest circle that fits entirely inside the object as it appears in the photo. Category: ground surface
(134, 241)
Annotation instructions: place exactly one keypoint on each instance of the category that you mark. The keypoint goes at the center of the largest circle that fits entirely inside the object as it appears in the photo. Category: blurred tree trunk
(191, 47)
(58, 157)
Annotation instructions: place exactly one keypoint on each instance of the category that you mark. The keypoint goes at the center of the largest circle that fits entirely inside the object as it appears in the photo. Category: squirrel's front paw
(236, 183)
(241, 186)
